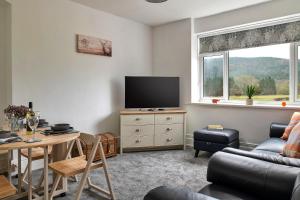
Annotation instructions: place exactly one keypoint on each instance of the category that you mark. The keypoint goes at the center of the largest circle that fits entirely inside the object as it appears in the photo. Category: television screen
(151, 92)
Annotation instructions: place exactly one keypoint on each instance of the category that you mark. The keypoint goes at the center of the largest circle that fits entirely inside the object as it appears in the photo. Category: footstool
(213, 140)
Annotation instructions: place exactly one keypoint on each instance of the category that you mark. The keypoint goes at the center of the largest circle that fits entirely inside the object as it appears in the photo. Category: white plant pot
(249, 102)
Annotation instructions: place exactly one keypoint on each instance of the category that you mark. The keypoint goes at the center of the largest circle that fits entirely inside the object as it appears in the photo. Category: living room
(211, 49)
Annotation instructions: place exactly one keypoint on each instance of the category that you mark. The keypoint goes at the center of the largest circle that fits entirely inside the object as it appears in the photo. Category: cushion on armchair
(292, 146)
(293, 122)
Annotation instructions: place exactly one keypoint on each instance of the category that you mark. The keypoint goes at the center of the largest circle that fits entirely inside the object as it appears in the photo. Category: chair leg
(41, 180)
(81, 185)
(24, 175)
(54, 187)
(108, 181)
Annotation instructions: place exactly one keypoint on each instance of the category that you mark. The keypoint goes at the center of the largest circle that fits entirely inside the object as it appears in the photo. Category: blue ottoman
(213, 140)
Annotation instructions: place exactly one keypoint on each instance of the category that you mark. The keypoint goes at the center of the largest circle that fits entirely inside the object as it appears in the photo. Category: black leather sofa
(245, 175)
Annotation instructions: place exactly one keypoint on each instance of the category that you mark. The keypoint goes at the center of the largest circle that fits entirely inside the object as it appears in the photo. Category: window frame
(201, 73)
(294, 59)
(293, 76)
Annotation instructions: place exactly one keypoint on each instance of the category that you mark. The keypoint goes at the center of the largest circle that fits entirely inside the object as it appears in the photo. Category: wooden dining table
(60, 151)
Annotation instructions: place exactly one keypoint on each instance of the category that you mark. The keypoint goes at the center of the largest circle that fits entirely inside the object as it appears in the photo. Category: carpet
(134, 174)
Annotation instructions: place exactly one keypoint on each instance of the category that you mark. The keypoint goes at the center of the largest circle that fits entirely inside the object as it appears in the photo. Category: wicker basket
(109, 143)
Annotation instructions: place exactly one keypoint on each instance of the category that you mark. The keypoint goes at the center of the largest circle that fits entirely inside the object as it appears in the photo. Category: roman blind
(276, 34)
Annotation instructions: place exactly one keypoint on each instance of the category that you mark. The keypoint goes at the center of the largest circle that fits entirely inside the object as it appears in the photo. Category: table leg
(9, 164)
(29, 174)
(46, 191)
(19, 171)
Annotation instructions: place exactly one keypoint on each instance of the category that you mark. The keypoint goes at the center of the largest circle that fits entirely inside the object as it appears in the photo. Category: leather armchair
(259, 178)
(238, 177)
(277, 129)
(245, 175)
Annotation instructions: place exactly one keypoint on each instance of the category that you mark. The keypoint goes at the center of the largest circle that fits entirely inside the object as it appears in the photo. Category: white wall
(172, 54)
(5, 57)
(84, 90)
(169, 39)
(264, 11)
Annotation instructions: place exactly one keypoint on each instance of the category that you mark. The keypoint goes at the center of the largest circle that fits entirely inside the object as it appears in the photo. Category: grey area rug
(134, 174)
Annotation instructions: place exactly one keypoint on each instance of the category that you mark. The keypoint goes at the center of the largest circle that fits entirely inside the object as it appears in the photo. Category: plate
(51, 132)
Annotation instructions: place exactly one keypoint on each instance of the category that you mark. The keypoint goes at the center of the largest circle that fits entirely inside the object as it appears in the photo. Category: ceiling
(172, 10)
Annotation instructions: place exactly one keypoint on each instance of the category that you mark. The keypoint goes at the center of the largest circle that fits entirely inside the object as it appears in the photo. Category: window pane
(213, 76)
(265, 67)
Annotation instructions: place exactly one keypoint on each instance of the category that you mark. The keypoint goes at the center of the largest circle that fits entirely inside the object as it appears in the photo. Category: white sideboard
(149, 130)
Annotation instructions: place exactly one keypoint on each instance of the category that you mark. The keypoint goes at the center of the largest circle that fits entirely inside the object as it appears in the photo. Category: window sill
(254, 106)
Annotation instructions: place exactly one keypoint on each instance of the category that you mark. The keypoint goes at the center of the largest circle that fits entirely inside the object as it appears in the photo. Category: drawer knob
(138, 141)
(169, 139)
(169, 118)
(137, 130)
(137, 119)
(168, 129)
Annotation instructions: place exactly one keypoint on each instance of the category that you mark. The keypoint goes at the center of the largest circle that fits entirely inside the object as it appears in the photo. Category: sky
(277, 51)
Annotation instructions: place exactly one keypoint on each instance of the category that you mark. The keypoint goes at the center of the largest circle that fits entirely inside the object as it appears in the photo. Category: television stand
(152, 130)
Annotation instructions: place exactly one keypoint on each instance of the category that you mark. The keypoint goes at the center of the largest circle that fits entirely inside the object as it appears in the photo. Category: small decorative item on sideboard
(250, 92)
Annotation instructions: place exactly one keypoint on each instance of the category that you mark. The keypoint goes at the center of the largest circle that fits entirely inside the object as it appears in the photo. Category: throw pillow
(292, 146)
(294, 120)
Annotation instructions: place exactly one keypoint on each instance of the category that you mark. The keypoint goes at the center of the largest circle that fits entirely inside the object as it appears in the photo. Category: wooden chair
(37, 154)
(6, 188)
(81, 165)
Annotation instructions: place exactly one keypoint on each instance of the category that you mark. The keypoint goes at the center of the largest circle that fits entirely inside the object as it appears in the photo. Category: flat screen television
(151, 92)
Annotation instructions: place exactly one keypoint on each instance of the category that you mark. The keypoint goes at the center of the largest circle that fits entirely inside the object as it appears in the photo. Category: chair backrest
(89, 140)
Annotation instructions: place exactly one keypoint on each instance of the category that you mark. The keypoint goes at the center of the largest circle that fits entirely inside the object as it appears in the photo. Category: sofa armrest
(269, 180)
(170, 193)
(296, 191)
(277, 129)
(269, 157)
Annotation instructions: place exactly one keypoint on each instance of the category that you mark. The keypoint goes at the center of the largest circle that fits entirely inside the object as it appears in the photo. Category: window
(267, 68)
(225, 75)
(213, 76)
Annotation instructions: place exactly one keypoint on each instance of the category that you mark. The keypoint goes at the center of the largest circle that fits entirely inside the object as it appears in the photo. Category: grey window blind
(277, 34)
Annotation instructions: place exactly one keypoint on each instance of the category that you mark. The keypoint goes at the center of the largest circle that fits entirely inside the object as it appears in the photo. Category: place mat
(51, 132)
(33, 140)
(10, 140)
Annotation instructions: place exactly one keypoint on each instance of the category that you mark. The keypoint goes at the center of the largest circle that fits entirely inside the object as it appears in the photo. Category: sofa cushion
(223, 192)
(273, 144)
(224, 136)
(292, 146)
(293, 122)
(268, 156)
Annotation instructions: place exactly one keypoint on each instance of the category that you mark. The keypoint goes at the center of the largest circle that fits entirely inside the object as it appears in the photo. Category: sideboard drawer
(166, 135)
(138, 136)
(137, 119)
(169, 119)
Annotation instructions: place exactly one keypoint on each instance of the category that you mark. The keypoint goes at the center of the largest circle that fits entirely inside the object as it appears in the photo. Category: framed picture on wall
(93, 45)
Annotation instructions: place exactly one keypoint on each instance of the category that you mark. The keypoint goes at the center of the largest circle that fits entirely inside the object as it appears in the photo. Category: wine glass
(33, 121)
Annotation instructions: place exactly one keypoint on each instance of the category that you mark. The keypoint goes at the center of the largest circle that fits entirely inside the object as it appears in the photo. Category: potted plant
(250, 92)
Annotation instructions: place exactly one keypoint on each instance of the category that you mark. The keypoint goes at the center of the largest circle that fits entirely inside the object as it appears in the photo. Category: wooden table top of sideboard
(138, 112)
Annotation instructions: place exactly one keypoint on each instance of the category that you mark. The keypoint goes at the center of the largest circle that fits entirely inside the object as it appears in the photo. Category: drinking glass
(33, 121)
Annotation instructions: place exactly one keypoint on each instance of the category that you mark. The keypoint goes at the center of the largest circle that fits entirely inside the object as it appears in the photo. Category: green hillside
(277, 68)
